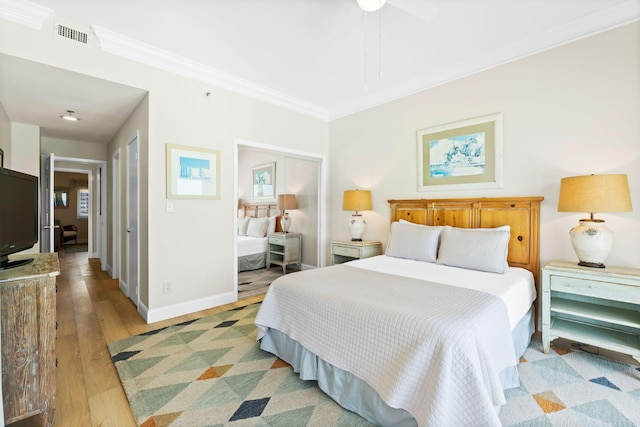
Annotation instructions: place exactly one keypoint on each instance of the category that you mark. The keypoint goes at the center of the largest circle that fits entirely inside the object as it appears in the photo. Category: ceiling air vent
(72, 34)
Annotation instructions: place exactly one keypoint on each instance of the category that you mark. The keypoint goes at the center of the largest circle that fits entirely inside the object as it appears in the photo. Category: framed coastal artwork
(192, 173)
(264, 181)
(461, 155)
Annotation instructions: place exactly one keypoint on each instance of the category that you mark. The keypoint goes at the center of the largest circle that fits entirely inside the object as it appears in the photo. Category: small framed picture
(264, 181)
(192, 173)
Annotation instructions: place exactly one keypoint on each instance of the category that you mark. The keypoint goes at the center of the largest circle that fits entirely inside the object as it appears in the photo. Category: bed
(429, 333)
(256, 221)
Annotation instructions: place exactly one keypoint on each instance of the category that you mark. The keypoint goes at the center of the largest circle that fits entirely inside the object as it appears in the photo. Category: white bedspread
(516, 287)
(251, 245)
(432, 349)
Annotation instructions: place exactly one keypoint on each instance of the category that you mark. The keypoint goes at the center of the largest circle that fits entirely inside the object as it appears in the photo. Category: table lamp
(356, 200)
(591, 240)
(286, 201)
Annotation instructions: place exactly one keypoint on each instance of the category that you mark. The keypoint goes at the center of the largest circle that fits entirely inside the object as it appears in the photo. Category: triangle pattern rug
(211, 372)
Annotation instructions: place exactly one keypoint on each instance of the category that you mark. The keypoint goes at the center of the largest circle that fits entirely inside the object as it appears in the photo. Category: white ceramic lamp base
(592, 242)
(285, 222)
(356, 227)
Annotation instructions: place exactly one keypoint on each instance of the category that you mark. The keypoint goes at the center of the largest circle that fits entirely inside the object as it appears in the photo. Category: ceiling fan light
(69, 116)
(371, 5)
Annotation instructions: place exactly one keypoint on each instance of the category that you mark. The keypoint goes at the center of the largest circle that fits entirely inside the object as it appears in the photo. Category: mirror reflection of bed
(255, 221)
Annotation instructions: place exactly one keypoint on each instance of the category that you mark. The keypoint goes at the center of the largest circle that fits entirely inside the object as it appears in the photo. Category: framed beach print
(264, 181)
(192, 173)
(462, 155)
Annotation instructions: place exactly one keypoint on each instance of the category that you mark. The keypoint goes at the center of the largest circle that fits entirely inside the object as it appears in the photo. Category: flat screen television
(18, 215)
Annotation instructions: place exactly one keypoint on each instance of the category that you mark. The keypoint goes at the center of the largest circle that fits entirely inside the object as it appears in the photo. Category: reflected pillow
(413, 241)
(483, 249)
(257, 227)
(271, 228)
(243, 224)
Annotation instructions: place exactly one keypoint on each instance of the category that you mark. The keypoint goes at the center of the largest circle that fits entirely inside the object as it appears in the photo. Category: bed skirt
(355, 394)
(252, 262)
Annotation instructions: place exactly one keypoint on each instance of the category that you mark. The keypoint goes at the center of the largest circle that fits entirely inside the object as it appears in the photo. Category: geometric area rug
(572, 388)
(212, 372)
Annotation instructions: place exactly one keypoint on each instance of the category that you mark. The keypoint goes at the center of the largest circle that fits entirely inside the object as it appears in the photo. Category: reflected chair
(69, 232)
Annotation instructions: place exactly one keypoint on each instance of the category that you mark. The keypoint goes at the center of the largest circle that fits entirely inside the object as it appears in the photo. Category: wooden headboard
(522, 214)
(262, 210)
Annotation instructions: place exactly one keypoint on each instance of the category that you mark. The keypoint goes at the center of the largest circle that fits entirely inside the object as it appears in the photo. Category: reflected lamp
(286, 201)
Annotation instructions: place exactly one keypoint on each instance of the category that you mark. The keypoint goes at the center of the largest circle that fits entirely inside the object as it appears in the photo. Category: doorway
(96, 184)
(309, 219)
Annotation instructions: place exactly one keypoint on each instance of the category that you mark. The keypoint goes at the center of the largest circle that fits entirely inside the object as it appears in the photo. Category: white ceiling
(307, 54)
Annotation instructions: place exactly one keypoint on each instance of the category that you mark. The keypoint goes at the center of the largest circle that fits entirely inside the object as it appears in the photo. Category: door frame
(96, 218)
(47, 218)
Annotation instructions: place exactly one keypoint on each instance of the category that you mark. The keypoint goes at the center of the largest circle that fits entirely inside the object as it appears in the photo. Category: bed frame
(522, 214)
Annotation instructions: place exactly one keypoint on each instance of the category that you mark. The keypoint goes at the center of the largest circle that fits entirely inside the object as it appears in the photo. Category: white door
(115, 217)
(47, 237)
(133, 234)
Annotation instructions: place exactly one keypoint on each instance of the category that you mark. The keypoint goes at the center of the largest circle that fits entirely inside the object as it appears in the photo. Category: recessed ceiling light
(69, 116)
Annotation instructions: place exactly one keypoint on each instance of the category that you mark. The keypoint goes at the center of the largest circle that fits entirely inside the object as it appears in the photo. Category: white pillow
(257, 227)
(243, 223)
(413, 241)
(271, 228)
(483, 249)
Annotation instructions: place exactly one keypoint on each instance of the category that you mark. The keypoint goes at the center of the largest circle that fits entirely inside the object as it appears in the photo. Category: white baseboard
(123, 287)
(175, 310)
(109, 271)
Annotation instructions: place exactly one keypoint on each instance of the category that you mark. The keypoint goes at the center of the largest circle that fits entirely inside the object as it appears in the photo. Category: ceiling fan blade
(348, 22)
(422, 9)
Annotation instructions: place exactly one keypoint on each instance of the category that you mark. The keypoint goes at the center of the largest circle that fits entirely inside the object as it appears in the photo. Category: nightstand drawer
(276, 240)
(350, 252)
(595, 288)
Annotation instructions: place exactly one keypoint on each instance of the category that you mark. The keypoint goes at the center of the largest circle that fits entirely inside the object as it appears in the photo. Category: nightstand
(284, 249)
(596, 306)
(347, 250)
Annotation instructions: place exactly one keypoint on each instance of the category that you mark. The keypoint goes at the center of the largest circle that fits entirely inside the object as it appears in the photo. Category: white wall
(5, 135)
(75, 149)
(25, 157)
(572, 110)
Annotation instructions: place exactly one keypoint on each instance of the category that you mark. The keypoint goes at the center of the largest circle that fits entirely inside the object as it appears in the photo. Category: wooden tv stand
(28, 332)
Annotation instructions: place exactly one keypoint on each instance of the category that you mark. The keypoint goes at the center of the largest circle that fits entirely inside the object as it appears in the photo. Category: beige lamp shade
(356, 200)
(594, 193)
(287, 201)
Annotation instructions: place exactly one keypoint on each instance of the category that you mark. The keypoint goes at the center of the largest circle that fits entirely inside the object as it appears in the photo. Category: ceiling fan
(422, 9)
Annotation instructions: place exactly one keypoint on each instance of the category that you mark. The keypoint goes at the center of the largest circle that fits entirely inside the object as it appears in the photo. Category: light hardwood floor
(91, 312)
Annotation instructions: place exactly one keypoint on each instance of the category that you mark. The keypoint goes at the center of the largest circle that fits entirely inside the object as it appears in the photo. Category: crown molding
(24, 13)
(34, 16)
(129, 48)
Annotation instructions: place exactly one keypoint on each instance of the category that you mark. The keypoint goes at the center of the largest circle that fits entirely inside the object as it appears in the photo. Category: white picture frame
(192, 172)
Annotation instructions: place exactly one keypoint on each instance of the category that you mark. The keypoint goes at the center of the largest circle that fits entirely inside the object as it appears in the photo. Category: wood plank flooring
(91, 312)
